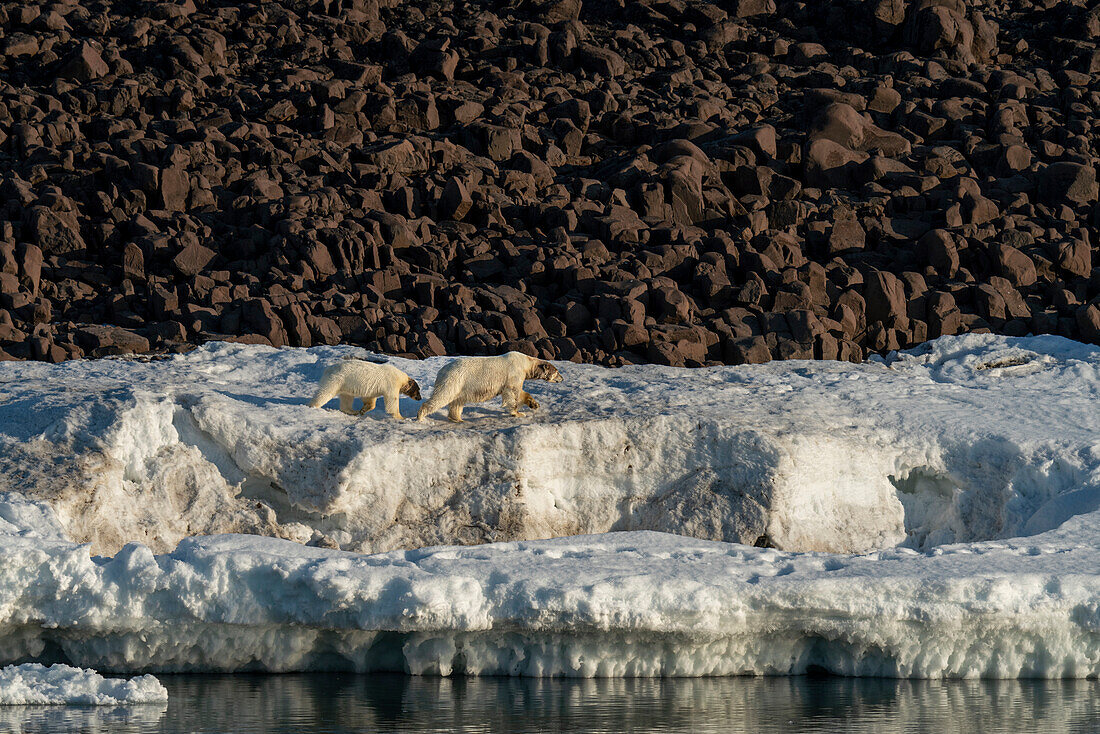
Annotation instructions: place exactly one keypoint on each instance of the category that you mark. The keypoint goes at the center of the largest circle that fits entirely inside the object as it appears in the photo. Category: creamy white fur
(477, 379)
(354, 378)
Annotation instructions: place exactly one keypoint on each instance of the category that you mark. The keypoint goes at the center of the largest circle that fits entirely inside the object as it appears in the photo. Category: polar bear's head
(412, 389)
(544, 371)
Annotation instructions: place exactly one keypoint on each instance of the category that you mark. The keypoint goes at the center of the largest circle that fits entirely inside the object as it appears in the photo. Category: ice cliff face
(973, 438)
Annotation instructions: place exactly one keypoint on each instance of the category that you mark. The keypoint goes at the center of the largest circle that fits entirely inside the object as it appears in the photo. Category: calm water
(359, 703)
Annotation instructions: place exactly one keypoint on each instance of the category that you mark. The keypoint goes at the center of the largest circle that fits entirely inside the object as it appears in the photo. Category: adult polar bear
(476, 379)
(356, 378)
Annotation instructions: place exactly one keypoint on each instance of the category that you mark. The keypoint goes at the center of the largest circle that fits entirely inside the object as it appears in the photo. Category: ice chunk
(31, 683)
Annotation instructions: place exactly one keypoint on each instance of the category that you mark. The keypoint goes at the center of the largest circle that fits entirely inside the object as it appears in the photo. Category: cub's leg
(347, 403)
(454, 412)
(324, 394)
(393, 405)
(368, 406)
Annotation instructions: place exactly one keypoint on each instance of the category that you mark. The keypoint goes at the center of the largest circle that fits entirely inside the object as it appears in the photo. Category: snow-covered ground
(975, 438)
(34, 684)
(965, 477)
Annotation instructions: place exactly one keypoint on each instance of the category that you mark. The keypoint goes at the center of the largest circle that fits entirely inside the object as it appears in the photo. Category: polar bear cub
(356, 378)
(477, 379)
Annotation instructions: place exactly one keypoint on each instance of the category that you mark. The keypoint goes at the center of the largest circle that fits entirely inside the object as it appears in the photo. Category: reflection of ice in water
(390, 703)
(84, 719)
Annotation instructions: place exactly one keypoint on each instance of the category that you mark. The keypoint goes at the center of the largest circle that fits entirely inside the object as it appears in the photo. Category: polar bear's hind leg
(510, 398)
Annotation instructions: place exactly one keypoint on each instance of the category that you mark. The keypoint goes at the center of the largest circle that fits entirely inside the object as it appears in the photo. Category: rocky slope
(675, 181)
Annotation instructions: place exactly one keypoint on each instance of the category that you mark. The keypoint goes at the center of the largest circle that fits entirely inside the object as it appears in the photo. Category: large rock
(106, 339)
(1014, 265)
(175, 185)
(192, 259)
(600, 60)
(1068, 183)
(830, 164)
(842, 124)
(748, 8)
(57, 233)
(85, 64)
(455, 201)
(948, 27)
(885, 296)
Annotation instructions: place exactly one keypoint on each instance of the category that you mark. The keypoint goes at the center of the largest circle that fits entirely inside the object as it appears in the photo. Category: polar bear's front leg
(368, 406)
(347, 403)
(393, 405)
(454, 412)
(526, 399)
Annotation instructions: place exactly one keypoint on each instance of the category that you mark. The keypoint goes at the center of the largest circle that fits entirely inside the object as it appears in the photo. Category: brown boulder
(830, 164)
(57, 233)
(1014, 265)
(556, 11)
(192, 259)
(1088, 321)
(455, 202)
(85, 64)
(174, 186)
(842, 124)
(599, 60)
(106, 339)
(1075, 257)
(320, 260)
(885, 296)
(30, 268)
(1068, 183)
(133, 262)
(940, 251)
(748, 8)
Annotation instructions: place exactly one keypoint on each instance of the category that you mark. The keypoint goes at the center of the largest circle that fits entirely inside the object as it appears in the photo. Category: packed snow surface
(32, 683)
(937, 514)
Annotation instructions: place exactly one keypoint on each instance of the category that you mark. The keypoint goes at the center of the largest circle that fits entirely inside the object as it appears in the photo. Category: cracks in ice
(261, 491)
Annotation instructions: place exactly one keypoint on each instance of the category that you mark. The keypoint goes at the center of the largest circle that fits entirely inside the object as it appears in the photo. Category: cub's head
(412, 389)
(545, 371)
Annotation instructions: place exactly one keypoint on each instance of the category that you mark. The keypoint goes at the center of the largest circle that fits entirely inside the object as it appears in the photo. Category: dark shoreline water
(345, 703)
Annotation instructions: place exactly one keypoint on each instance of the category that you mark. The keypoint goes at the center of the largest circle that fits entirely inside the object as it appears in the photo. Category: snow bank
(972, 438)
(31, 683)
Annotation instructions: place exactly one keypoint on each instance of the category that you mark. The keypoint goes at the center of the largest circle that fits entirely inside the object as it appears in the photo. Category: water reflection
(90, 719)
(377, 703)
